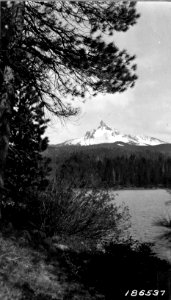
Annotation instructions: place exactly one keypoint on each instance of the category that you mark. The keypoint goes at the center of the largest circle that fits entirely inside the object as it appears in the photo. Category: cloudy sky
(145, 109)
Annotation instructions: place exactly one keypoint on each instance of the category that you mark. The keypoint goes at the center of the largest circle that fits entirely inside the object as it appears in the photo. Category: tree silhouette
(61, 49)
(26, 168)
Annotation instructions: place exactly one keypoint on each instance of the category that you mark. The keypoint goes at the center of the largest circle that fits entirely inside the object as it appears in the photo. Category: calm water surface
(145, 207)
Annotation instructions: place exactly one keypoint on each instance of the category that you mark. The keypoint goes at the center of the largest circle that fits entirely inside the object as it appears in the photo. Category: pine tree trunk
(9, 40)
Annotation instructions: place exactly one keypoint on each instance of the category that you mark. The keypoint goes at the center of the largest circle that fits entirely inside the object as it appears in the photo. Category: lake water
(145, 207)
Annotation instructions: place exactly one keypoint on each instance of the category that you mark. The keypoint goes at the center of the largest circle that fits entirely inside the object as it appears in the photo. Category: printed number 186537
(135, 293)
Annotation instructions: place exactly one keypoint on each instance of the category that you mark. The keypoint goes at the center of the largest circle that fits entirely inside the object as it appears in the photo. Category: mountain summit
(104, 134)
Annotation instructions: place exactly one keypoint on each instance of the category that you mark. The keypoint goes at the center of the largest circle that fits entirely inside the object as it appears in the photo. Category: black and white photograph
(85, 150)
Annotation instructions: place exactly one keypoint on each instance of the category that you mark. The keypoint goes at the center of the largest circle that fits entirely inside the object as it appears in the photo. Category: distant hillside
(112, 165)
(112, 149)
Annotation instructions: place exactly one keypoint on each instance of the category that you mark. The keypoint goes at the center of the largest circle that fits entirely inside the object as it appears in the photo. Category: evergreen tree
(26, 168)
(11, 35)
(59, 49)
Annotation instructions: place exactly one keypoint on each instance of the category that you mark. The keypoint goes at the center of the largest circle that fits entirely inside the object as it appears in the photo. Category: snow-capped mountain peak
(104, 134)
(103, 126)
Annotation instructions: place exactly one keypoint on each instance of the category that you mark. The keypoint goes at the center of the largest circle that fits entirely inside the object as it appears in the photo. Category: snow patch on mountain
(105, 134)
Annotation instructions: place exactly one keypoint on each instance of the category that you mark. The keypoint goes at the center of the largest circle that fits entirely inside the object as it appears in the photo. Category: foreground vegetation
(26, 274)
(88, 216)
(32, 272)
(70, 244)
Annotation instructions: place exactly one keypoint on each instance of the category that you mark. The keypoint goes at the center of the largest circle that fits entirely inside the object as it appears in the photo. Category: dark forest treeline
(144, 169)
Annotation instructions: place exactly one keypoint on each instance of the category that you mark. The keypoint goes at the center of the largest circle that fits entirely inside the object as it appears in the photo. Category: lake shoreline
(140, 189)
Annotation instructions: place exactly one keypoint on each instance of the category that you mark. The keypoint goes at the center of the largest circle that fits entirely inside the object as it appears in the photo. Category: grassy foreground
(47, 273)
(26, 274)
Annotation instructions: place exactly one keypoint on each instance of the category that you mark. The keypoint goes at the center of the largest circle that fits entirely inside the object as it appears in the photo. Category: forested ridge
(109, 166)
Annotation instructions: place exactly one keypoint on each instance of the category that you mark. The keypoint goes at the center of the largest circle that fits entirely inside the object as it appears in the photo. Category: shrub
(87, 215)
